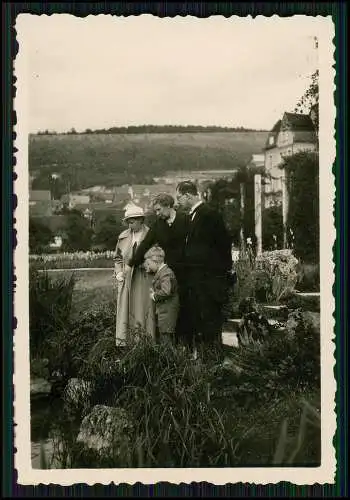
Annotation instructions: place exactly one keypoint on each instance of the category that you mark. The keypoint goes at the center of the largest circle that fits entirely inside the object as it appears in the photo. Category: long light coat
(135, 308)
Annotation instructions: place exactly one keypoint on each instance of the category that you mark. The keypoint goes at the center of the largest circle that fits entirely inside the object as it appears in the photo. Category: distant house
(40, 209)
(57, 242)
(36, 196)
(72, 200)
(293, 133)
(173, 178)
(40, 203)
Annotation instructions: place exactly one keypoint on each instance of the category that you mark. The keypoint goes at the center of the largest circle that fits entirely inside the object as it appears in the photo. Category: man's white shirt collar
(200, 202)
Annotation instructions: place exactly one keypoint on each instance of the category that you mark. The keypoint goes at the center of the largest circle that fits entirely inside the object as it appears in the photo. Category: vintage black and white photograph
(174, 264)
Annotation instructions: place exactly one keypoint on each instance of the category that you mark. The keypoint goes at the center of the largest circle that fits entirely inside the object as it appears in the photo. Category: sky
(104, 71)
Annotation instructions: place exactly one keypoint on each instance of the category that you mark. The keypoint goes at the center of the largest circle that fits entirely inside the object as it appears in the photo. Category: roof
(301, 125)
(299, 122)
(102, 196)
(79, 196)
(41, 208)
(38, 195)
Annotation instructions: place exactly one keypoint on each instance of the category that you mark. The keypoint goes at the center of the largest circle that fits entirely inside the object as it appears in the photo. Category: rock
(106, 430)
(40, 387)
(77, 391)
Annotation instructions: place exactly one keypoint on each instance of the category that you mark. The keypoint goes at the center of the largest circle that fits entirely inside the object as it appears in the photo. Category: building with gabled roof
(295, 132)
(39, 195)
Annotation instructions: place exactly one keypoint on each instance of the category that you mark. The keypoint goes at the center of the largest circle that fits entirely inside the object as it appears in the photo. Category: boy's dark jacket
(166, 299)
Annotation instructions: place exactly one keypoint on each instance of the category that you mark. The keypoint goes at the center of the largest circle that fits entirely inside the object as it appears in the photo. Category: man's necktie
(134, 247)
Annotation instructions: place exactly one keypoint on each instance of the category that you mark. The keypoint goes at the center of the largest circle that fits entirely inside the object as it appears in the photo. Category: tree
(79, 232)
(107, 231)
(303, 214)
(310, 98)
(272, 228)
(40, 235)
(235, 200)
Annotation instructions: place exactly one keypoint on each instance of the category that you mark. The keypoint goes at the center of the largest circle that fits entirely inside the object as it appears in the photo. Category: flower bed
(268, 278)
(74, 260)
(276, 275)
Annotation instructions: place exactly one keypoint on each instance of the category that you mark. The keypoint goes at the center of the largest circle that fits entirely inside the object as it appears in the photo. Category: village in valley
(293, 133)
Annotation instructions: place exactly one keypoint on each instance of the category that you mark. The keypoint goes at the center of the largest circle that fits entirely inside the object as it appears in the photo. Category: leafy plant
(289, 449)
(309, 277)
(50, 304)
(169, 398)
(275, 275)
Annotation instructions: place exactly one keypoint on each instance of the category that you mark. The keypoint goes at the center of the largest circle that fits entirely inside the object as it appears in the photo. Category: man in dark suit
(169, 232)
(208, 263)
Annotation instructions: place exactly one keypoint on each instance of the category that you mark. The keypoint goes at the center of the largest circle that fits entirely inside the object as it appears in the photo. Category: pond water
(44, 411)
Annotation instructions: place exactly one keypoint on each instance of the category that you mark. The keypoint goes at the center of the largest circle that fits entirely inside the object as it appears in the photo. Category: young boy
(164, 293)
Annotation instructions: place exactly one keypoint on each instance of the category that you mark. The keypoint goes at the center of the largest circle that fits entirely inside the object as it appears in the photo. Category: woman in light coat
(135, 308)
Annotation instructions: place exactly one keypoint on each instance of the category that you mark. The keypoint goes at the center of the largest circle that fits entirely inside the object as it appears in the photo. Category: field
(111, 159)
(92, 287)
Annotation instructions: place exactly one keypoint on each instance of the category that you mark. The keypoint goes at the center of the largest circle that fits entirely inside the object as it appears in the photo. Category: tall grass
(50, 305)
(188, 414)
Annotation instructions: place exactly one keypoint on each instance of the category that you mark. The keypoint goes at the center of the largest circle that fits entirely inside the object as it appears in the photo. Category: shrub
(284, 362)
(187, 414)
(308, 303)
(272, 228)
(169, 398)
(85, 331)
(40, 235)
(305, 442)
(275, 275)
(267, 278)
(309, 278)
(50, 304)
(245, 285)
(303, 213)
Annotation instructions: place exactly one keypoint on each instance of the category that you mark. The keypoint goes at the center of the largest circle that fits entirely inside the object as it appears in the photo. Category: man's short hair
(155, 253)
(164, 200)
(187, 187)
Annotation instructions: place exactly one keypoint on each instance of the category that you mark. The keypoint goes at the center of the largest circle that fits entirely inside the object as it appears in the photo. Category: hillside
(85, 160)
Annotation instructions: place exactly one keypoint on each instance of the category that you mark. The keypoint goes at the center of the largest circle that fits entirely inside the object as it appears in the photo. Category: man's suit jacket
(208, 243)
(170, 238)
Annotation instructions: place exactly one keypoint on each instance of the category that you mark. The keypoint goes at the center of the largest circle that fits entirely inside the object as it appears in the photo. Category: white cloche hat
(133, 211)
